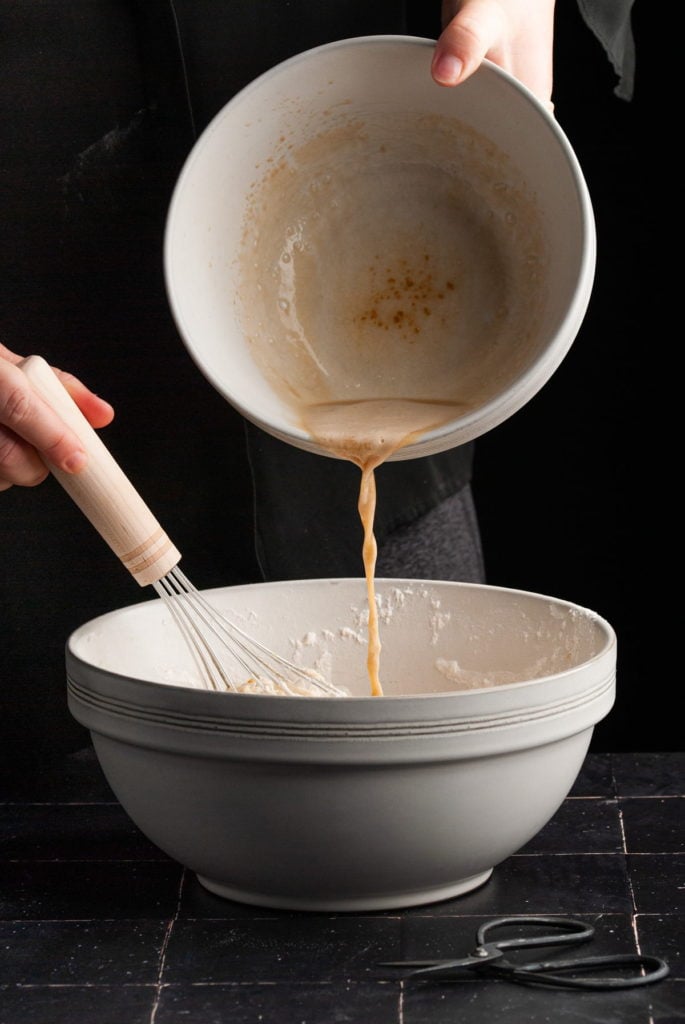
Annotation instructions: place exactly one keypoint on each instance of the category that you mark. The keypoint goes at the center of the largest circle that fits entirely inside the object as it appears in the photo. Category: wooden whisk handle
(101, 489)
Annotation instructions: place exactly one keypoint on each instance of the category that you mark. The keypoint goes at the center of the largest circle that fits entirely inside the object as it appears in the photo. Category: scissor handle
(648, 969)
(568, 931)
(488, 959)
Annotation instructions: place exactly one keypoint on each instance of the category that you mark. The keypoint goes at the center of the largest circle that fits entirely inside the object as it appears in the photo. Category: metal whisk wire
(108, 499)
(199, 622)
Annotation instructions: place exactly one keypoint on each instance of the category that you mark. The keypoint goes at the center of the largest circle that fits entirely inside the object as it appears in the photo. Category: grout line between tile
(83, 984)
(164, 948)
(624, 845)
(629, 796)
(569, 853)
(631, 890)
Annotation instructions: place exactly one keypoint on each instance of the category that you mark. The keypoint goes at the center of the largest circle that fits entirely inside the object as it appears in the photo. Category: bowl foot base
(392, 901)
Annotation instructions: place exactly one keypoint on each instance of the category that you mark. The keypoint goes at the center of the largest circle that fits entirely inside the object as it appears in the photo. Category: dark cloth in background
(99, 107)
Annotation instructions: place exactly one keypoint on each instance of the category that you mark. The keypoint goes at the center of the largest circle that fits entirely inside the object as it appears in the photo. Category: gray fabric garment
(610, 21)
(443, 544)
(305, 506)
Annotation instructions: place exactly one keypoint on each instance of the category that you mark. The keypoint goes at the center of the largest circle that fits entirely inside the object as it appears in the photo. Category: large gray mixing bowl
(360, 802)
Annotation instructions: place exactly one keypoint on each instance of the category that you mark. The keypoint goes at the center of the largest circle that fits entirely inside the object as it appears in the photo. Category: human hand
(517, 35)
(29, 428)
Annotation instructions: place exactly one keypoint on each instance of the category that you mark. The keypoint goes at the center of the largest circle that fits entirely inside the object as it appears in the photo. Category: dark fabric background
(570, 489)
(565, 503)
(96, 119)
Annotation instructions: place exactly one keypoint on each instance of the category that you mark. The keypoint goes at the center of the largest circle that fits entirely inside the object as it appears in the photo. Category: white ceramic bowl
(359, 802)
(503, 144)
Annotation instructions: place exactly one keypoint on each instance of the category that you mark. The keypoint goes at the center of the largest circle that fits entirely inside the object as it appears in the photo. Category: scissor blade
(435, 965)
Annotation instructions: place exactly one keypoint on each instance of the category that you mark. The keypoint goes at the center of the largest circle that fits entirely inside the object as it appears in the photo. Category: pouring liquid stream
(367, 511)
(367, 433)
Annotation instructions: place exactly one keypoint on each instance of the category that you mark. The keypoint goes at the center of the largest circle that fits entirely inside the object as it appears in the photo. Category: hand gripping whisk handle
(102, 491)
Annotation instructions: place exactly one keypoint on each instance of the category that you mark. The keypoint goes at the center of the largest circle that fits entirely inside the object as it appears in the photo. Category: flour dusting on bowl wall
(358, 802)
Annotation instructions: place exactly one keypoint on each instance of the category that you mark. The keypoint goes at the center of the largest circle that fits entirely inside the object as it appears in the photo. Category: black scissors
(488, 959)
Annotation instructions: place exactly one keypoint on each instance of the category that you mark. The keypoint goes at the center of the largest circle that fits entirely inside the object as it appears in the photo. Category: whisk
(108, 499)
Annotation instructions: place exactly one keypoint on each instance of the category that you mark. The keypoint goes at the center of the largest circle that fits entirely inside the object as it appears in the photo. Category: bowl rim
(498, 408)
(265, 701)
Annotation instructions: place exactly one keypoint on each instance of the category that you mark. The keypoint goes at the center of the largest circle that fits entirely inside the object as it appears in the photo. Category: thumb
(467, 38)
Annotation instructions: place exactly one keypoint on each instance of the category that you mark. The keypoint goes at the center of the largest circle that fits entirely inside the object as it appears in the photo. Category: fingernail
(447, 68)
(75, 462)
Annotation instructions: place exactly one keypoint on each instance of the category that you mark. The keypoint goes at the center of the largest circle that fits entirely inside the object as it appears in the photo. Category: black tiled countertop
(97, 926)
